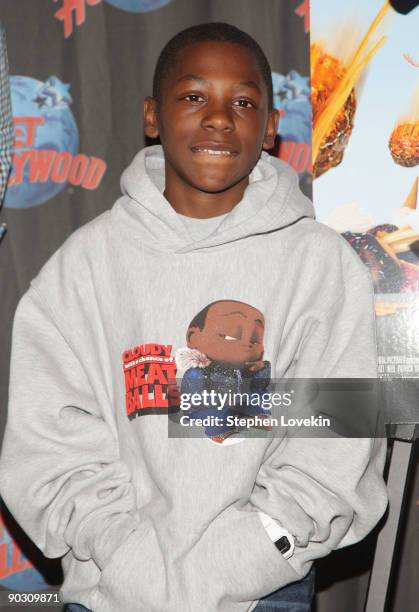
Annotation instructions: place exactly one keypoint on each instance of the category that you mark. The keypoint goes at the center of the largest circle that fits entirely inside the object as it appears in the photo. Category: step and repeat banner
(79, 70)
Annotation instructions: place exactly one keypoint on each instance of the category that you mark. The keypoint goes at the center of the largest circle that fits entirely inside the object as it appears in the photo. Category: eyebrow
(227, 314)
(252, 84)
(195, 77)
(243, 315)
(191, 77)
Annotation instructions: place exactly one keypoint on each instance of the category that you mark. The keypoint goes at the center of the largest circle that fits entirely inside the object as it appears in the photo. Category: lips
(219, 149)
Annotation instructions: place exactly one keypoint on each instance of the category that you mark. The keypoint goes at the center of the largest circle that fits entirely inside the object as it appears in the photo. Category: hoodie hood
(271, 201)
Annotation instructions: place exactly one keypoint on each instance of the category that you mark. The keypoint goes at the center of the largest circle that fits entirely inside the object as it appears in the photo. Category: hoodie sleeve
(329, 493)
(60, 472)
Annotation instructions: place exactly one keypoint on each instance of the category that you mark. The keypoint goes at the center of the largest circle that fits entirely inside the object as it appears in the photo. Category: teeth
(214, 151)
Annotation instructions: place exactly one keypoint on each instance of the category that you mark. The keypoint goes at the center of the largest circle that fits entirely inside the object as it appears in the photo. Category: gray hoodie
(155, 524)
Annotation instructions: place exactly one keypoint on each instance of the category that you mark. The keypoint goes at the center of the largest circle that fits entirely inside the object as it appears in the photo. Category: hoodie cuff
(249, 561)
(113, 533)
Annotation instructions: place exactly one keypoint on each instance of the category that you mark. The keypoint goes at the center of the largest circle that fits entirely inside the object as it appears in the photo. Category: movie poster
(365, 98)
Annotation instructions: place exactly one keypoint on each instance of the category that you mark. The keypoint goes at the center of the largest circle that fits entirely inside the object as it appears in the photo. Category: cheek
(219, 349)
(168, 125)
(173, 122)
(255, 134)
(229, 351)
(216, 345)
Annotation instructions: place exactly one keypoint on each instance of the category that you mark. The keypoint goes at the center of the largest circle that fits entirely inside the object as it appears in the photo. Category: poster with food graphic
(365, 101)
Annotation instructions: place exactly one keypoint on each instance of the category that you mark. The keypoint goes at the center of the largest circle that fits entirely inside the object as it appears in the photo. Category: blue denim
(295, 597)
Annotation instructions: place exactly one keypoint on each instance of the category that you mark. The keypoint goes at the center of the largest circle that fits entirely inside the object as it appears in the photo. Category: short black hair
(200, 319)
(211, 32)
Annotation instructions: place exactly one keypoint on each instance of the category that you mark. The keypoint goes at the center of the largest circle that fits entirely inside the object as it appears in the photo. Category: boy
(156, 524)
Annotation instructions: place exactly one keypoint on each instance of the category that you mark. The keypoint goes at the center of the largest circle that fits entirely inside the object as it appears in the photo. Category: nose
(218, 117)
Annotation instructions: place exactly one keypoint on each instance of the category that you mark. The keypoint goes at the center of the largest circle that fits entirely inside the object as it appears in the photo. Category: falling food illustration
(389, 250)
(404, 140)
(334, 97)
(327, 72)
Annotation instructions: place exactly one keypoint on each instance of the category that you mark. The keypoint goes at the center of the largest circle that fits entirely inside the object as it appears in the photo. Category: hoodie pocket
(135, 575)
(232, 564)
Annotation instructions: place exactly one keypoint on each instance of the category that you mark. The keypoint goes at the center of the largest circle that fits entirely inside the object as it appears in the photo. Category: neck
(191, 202)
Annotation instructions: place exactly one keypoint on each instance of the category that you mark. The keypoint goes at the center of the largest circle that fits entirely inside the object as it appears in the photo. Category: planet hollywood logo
(303, 10)
(292, 99)
(77, 9)
(46, 144)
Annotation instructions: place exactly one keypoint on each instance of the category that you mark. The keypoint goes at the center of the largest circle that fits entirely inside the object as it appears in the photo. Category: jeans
(295, 597)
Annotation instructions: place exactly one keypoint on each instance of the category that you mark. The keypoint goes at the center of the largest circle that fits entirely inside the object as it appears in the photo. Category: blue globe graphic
(58, 132)
(138, 6)
(292, 96)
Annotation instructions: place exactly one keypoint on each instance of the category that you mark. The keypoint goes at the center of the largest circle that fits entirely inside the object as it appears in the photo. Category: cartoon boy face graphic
(229, 332)
(224, 353)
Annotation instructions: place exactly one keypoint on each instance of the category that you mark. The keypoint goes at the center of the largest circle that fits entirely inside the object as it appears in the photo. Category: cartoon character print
(224, 353)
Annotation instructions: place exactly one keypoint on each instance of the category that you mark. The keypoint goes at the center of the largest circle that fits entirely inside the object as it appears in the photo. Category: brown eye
(194, 98)
(244, 103)
(227, 337)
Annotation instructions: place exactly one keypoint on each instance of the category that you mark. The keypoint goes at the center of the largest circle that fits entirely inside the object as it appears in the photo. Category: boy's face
(233, 333)
(212, 118)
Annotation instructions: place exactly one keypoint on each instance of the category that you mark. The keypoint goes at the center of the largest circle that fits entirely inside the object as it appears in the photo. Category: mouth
(215, 149)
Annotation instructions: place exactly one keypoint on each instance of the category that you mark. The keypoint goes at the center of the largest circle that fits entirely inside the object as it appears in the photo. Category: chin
(216, 185)
(213, 189)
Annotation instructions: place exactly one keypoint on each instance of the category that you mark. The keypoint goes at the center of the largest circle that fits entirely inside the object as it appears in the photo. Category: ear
(192, 337)
(151, 128)
(271, 130)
